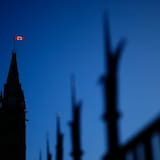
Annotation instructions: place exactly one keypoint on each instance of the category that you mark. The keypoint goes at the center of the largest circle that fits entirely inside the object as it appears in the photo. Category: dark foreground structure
(12, 117)
(140, 147)
(144, 146)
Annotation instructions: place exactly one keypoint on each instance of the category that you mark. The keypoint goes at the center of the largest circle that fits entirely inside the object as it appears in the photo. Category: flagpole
(14, 44)
(17, 38)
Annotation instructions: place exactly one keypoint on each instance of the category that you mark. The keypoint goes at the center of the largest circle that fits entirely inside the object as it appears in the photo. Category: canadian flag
(19, 38)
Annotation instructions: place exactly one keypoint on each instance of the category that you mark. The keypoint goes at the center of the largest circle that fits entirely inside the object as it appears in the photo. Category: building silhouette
(12, 117)
(13, 126)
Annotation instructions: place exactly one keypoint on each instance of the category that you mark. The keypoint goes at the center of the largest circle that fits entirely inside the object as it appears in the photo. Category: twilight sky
(66, 36)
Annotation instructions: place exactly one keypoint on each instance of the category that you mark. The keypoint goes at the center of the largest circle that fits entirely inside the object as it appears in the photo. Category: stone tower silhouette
(109, 80)
(12, 117)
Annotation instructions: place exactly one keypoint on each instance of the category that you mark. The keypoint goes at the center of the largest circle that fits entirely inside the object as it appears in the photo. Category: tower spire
(13, 117)
(13, 93)
(13, 77)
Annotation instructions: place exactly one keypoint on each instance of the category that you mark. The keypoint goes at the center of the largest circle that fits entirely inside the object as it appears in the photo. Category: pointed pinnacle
(13, 76)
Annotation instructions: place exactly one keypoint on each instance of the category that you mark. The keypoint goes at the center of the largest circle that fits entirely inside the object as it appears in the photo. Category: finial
(112, 57)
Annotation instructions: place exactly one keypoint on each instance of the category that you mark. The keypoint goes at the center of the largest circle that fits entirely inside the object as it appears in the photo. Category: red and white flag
(19, 38)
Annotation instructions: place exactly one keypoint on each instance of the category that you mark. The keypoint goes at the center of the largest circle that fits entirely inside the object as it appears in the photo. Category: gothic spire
(13, 116)
(13, 77)
(13, 93)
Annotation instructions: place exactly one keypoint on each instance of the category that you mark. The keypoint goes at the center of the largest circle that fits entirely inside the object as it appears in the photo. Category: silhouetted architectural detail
(75, 125)
(144, 141)
(13, 122)
(49, 155)
(12, 117)
(59, 146)
(139, 147)
(111, 113)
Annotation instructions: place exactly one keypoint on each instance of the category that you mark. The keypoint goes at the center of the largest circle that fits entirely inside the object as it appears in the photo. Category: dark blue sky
(66, 36)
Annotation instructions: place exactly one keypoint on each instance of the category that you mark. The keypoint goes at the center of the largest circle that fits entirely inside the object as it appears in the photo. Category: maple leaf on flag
(19, 38)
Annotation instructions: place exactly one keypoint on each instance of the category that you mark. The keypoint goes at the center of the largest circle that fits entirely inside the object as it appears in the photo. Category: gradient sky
(66, 36)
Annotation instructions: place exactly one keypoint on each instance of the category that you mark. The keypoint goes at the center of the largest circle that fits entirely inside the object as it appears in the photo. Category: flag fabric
(19, 38)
